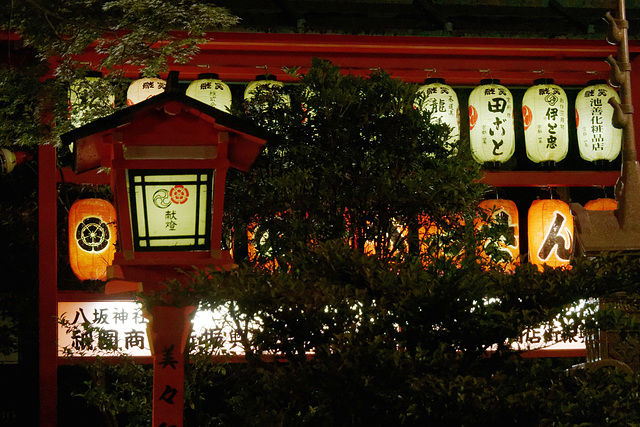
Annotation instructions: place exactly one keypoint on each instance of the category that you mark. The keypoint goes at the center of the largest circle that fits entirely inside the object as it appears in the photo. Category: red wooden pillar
(169, 329)
(48, 284)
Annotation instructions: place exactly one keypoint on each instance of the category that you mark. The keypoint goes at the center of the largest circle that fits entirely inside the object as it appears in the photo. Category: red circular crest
(179, 194)
(473, 116)
(577, 118)
(527, 116)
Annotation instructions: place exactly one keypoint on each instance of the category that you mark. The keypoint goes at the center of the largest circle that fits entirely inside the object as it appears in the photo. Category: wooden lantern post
(168, 157)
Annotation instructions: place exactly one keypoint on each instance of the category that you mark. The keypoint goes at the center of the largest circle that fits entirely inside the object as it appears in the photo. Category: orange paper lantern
(550, 233)
(92, 238)
(500, 208)
(601, 205)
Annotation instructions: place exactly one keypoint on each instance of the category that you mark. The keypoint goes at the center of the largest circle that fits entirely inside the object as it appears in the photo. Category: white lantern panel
(170, 211)
(491, 130)
(442, 102)
(597, 138)
(544, 112)
(211, 91)
(145, 88)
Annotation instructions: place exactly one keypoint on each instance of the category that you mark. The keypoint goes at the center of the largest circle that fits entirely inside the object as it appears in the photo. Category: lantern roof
(170, 118)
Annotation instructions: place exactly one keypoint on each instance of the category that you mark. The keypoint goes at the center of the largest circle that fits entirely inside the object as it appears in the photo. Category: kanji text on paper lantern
(508, 211)
(603, 204)
(171, 210)
(144, 88)
(597, 138)
(211, 90)
(441, 102)
(550, 233)
(544, 111)
(92, 238)
(491, 130)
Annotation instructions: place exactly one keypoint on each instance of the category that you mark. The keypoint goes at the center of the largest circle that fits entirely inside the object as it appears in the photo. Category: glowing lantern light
(507, 210)
(436, 239)
(550, 233)
(144, 88)
(9, 160)
(92, 238)
(267, 82)
(544, 111)
(603, 204)
(442, 102)
(491, 130)
(598, 140)
(210, 90)
(79, 102)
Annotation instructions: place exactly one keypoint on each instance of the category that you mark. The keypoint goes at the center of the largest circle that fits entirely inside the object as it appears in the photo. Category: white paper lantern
(442, 102)
(598, 140)
(210, 90)
(265, 82)
(144, 88)
(491, 131)
(544, 112)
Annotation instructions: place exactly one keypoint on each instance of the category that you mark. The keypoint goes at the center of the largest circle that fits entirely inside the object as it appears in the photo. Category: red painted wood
(550, 178)
(47, 297)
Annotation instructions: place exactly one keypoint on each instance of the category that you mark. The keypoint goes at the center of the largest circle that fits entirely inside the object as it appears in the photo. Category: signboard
(107, 328)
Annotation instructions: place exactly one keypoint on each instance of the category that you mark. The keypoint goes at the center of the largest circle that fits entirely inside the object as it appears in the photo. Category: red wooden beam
(47, 296)
(551, 178)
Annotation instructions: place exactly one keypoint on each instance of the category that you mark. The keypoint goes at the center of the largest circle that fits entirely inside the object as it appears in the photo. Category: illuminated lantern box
(507, 210)
(544, 113)
(92, 238)
(441, 101)
(168, 156)
(598, 140)
(491, 129)
(550, 233)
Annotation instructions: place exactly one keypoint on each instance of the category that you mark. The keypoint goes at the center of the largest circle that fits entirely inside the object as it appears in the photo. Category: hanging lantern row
(545, 119)
(92, 234)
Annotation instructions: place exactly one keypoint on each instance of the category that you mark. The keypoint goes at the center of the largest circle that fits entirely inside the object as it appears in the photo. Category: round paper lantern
(92, 238)
(266, 82)
(144, 88)
(544, 111)
(210, 90)
(442, 102)
(491, 131)
(550, 233)
(79, 98)
(598, 140)
(603, 204)
(508, 211)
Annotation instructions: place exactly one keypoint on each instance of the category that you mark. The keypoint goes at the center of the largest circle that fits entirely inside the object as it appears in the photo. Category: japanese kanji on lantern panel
(144, 88)
(79, 91)
(491, 129)
(508, 211)
(544, 113)
(602, 204)
(209, 89)
(92, 238)
(550, 233)
(598, 140)
(441, 102)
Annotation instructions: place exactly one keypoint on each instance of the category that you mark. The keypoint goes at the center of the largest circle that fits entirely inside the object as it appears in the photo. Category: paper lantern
(491, 131)
(144, 88)
(210, 90)
(442, 102)
(598, 140)
(550, 233)
(508, 211)
(92, 238)
(544, 112)
(82, 106)
(603, 204)
(266, 82)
